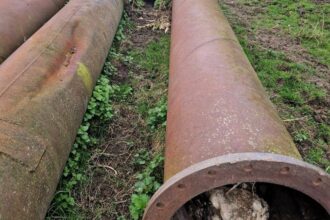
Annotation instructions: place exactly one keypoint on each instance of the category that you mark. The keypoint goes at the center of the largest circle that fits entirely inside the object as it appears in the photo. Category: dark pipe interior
(150, 2)
(284, 204)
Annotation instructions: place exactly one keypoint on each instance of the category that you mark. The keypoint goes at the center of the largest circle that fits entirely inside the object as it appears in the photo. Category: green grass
(306, 21)
(155, 57)
(154, 60)
(285, 78)
(287, 81)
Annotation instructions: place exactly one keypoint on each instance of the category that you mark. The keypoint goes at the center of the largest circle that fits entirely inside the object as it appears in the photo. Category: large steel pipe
(222, 128)
(19, 19)
(44, 90)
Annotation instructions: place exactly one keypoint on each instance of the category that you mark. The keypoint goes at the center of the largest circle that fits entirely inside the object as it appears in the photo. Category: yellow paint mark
(86, 76)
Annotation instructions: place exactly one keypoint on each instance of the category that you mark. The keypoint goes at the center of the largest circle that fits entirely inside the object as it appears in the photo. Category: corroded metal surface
(44, 90)
(19, 19)
(221, 126)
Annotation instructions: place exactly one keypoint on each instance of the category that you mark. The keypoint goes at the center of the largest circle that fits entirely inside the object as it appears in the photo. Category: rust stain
(48, 46)
(69, 55)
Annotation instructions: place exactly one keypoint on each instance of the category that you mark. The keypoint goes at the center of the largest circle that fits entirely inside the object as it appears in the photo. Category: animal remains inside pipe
(223, 130)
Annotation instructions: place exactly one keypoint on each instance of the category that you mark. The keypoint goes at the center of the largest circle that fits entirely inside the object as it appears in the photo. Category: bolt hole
(248, 168)
(285, 170)
(317, 182)
(160, 205)
(181, 186)
(211, 172)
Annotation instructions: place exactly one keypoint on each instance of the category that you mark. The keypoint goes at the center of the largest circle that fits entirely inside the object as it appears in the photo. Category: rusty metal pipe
(222, 128)
(44, 90)
(19, 19)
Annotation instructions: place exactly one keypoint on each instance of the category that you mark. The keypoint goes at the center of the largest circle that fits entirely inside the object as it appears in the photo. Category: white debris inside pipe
(252, 201)
(238, 203)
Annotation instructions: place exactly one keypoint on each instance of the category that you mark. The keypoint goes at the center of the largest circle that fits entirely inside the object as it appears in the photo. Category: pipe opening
(254, 201)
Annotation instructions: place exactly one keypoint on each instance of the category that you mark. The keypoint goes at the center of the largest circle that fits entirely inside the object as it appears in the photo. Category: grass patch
(155, 57)
(154, 62)
(306, 21)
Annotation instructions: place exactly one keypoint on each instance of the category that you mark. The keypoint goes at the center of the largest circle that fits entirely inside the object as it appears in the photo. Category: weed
(137, 3)
(324, 132)
(317, 156)
(155, 57)
(148, 181)
(162, 4)
(142, 157)
(123, 25)
(157, 115)
(99, 105)
(301, 136)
